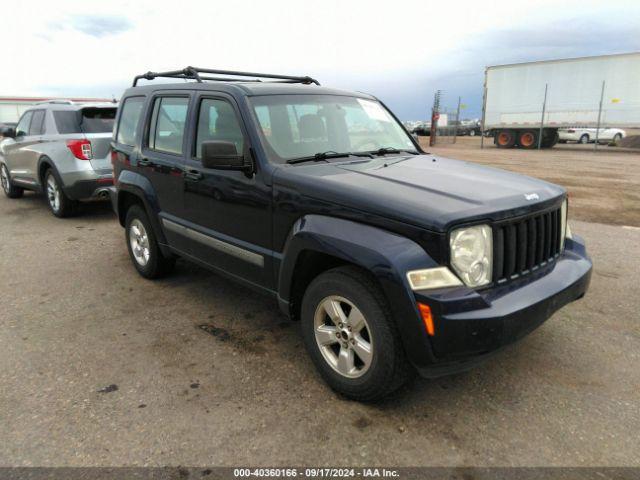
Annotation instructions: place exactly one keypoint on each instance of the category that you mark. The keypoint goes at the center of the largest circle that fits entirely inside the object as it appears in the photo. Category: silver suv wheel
(53, 193)
(139, 241)
(343, 336)
(4, 177)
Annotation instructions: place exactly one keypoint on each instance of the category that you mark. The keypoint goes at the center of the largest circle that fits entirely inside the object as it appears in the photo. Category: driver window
(23, 125)
(217, 121)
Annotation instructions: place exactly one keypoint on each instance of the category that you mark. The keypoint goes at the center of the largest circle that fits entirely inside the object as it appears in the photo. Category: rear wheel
(584, 138)
(10, 190)
(528, 139)
(143, 247)
(351, 335)
(617, 137)
(505, 139)
(61, 205)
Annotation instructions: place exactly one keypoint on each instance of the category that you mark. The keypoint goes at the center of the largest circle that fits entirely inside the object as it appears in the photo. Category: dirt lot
(101, 367)
(603, 185)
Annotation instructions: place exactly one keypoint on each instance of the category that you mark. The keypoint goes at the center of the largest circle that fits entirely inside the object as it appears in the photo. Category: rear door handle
(193, 175)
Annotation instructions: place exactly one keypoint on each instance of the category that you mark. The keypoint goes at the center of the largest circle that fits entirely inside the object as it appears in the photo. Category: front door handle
(193, 175)
(144, 162)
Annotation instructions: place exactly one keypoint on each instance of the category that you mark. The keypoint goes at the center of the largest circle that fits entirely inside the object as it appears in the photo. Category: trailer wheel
(528, 139)
(505, 139)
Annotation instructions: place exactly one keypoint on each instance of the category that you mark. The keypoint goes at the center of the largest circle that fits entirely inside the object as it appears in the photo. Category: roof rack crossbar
(193, 73)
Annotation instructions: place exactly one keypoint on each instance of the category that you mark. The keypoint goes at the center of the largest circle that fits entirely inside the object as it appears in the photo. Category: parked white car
(588, 134)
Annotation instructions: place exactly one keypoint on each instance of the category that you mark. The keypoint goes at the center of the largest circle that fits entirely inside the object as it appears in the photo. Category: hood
(426, 190)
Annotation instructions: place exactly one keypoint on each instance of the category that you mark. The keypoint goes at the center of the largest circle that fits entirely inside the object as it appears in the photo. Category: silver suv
(59, 148)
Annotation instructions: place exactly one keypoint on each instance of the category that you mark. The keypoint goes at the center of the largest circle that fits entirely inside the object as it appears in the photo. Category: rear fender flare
(387, 256)
(139, 186)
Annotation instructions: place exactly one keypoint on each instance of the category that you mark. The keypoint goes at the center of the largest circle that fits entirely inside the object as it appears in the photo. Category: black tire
(584, 138)
(157, 265)
(550, 139)
(10, 190)
(52, 188)
(505, 138)
(388, 368)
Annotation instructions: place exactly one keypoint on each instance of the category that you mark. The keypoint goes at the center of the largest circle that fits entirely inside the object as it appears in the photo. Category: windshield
(297, 126)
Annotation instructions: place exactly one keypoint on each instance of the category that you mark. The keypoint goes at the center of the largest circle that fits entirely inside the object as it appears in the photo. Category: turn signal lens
(427, 318)
(438, 277)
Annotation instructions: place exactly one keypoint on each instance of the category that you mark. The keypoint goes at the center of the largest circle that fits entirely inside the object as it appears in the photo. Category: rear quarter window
(129, 119)
(67, 121)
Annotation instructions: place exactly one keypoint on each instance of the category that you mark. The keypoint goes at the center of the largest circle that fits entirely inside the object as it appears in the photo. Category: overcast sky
(400, 51)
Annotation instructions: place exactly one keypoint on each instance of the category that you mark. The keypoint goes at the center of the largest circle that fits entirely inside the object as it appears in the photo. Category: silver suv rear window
(86, 120)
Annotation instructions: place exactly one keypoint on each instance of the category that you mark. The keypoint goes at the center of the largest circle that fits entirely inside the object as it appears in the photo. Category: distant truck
(514, 98)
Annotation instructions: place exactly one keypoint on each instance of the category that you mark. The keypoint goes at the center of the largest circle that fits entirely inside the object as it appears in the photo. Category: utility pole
(455, 128)
(435, 115)
(544, 108)
(595, 147)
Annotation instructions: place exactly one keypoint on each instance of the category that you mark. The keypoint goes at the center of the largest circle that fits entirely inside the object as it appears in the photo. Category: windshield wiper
(319, 157)
(385, 150)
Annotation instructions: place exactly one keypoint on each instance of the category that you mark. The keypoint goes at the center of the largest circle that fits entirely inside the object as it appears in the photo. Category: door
(19, 157)
(229, 211)
(162, 159)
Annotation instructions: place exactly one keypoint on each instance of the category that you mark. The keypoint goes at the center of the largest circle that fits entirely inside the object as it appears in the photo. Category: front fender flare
(386, 255)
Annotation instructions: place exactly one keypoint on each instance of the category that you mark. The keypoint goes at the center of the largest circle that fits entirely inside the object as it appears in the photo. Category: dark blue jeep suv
(395, 261)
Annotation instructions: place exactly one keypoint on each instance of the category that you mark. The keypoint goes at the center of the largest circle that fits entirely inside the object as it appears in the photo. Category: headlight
(472, 254)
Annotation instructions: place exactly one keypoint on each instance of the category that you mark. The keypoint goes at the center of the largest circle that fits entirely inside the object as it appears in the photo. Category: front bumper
(471, 325)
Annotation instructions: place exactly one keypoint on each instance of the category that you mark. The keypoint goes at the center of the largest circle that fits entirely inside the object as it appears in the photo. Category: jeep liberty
(394, 260)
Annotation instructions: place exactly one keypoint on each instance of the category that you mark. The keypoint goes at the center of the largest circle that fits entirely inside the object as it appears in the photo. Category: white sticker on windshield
(374, 110)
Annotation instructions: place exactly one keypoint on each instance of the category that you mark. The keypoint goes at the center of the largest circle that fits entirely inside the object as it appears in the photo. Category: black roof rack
(194, 73)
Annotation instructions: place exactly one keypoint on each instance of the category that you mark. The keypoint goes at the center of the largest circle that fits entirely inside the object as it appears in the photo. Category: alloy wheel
(4, 178)
(139, 241)
(343, 336)
(53, 193)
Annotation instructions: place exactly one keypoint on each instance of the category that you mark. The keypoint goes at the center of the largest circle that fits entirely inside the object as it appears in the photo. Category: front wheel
(584, 139)
(9, 189)
(143, 247)
(351, 335)
(617, 137)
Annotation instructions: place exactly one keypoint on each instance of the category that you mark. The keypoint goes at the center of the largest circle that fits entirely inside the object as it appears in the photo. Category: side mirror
(222, 156)
(8, 132)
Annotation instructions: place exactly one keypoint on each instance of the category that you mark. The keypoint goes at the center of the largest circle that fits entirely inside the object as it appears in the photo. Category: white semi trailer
(525, 104)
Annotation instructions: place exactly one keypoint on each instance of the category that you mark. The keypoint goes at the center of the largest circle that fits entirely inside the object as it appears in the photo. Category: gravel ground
(101, 367)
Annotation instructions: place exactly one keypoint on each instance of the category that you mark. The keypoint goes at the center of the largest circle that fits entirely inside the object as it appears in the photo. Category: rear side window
(37, 123)
(98, 120)
(128, 125)
(168, 120)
